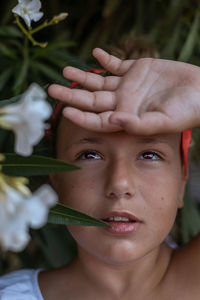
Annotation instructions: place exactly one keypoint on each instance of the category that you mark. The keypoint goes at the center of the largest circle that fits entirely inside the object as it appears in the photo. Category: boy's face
(139, 175)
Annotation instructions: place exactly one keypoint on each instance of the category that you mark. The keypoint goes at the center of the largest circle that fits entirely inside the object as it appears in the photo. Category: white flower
(26, 118)
(18, 213)
(28, 10)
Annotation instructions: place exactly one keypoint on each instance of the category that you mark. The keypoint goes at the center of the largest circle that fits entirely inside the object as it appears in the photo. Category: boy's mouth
(118, 219)
(120, 216)
(121, 222)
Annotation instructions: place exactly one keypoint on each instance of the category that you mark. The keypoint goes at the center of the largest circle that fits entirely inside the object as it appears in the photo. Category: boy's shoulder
(187, 259)
(183, 275)
(20, 285)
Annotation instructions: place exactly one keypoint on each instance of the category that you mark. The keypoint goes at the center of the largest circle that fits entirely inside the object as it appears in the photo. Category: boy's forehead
(71, 133)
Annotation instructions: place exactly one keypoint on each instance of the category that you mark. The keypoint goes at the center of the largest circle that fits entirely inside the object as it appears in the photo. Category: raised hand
(145, 96)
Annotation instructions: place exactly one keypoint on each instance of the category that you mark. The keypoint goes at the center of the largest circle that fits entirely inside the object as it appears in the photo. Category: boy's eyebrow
(154, 140)
(149, 140)
(139, 140)
(90, 140)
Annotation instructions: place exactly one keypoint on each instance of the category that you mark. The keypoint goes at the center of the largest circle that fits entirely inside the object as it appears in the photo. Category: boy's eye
(89, 155)
(150, 155)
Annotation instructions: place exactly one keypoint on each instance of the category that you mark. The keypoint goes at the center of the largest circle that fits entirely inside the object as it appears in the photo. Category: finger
(91, 121)
(112, 63)
(91, 81)
(92, 101)
(149, 123)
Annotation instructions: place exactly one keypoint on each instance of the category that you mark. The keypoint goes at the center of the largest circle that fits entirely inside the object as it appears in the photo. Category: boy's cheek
(60, 185)
(74, 190)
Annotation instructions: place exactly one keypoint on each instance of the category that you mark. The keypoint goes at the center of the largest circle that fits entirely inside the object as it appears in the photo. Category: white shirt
(20, 285)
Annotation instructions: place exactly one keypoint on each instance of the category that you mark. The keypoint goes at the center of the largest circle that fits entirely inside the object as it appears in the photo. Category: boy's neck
(143, 275)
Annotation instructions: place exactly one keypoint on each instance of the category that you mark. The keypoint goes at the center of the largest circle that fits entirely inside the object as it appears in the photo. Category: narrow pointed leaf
(48, 71)
(34, 165)
(171, 47)
(5, 76)
(12, 100)
(191, 40)
(22, 74)
(10, 31)
(64, 215)
(56, 45)
(7, 51)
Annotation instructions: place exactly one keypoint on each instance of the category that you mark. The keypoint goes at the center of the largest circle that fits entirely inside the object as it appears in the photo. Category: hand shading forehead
(69, 133)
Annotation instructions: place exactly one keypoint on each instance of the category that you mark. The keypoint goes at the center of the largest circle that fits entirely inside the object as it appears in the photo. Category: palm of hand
(146, 96)
(155, 96)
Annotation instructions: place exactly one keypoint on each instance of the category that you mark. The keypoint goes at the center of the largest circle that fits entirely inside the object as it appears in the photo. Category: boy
(124, 131)
(148, 106)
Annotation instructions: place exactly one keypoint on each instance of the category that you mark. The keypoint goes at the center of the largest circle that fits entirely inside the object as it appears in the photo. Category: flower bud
(59, 18)
(62, 16)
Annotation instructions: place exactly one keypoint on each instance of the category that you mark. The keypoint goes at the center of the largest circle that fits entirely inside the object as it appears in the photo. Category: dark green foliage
(190, 219)
(62, 215)
(15, 165)
(55, 245)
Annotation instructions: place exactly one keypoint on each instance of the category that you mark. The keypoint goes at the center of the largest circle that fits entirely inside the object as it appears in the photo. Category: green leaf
(110, 7)
(56, 45)
(10, 31)
(56, 243)
(56, 61)
(60, 44)
(191, 40)
(70, 59)
(21, 75)
(10, 100)
(171, 47)
(190, 219)
(5, 136)
(4, 77)
(15, 44)
(7, 51)
(173, 12)
(64, 215)
(48, 72)
(34, 165)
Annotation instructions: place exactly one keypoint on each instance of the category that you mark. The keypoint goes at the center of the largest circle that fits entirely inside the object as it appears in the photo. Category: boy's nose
(120, 181)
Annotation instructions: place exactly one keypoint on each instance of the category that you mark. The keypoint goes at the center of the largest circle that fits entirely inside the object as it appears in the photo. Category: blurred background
(168, 29)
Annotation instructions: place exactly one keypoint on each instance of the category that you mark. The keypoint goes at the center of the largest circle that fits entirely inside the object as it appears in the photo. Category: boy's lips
(124, 214)
(122, 222)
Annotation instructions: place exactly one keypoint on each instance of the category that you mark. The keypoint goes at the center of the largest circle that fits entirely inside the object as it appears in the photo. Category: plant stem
(40, 27)
(23, 29)
(53, 21)
(28, 34)
(25, 48)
